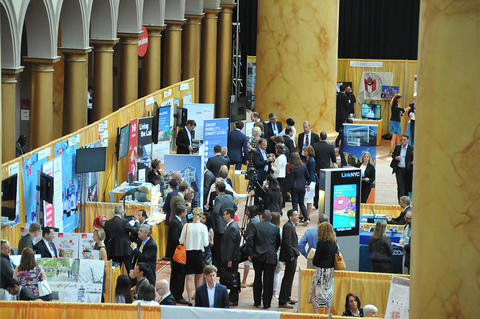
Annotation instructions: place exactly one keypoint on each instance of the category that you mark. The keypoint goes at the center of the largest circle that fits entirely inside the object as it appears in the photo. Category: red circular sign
(143, 42)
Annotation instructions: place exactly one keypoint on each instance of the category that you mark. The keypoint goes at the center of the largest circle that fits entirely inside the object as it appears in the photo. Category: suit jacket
(408, 158)
(214, 163)
(168, 300)
(237, 146)
(289, 248)
(263, 242)
(166, 206)
(175, 202)
(25, 242)
(117, 237)
(289, 144)
(298, 178)
(148, 255)
(208, 180)
(314, 139)
(231, 244)
(259, 163)
(183, 142)
(220, 297)
(6, 271)
(271, 200)
(42, 249)
(369, 172)
(400, 220)
(222, 202)
(268, 131)
(174, 232)
(25, 294)
(324, 155)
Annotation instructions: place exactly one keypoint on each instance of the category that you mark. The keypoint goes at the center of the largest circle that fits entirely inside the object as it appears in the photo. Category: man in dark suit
(214, 163)
(27, 240)
(231, 253)
(20, 293)
(324, 157)
(262, 160)
(341, 108)
(402, 164)
(7, 267)
(272, 129)
(184, 138)
(208, 180)
(145, 250)
(288, 254)
(404, 203)
(237, 145)
(117, 241)
(211, 294)
(306, 138)
(263, 242)
(45, 246)
(177, 273)
(163, 290)
(288, 139)
(223, 202)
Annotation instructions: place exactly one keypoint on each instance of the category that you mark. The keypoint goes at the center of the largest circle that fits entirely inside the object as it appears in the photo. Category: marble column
(75, 89)
(173, 53)
(208, 71)
(191, 51)
(224, 60)
(151, 67)
(445, 235)
(9, 88)
(41, 114)
(128, 67)
(102, 77)
(297, 61)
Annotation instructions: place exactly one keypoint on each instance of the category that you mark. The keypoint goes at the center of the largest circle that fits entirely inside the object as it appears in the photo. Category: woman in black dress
(298, 180)
(154, 176)
(368, 175)
(380, 249)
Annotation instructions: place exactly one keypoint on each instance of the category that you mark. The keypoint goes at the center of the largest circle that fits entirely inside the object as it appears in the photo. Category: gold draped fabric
(371, 288)
(90, 134)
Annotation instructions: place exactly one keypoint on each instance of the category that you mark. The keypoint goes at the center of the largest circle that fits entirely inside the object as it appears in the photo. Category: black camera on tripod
(252, 175)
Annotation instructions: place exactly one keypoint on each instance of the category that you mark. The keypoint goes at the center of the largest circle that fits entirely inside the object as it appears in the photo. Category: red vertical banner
(49, 220)
(132, 149)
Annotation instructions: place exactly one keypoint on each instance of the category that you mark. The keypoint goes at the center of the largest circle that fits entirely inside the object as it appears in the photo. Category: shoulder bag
(339, 262)
(180, 255)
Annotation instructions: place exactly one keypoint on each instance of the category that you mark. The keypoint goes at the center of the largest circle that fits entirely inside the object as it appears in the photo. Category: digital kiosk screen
(344, 207)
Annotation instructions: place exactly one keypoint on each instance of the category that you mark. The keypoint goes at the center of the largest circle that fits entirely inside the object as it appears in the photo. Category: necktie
(141, 247)
(51, 248)
(306, 140)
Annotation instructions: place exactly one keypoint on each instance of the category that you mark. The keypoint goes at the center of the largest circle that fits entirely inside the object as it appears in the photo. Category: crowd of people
(281, 169)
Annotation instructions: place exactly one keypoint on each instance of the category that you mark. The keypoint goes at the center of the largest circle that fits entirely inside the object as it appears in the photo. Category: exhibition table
(117, 193)
(377, 122)
(365, 237)
(365, 264)
(371, 288)
(391, 210)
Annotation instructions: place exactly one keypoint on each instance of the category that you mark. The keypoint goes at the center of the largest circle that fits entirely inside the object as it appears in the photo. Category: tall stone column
(224, 60)
(173, 53)
(102, 77)
(208, 71)
(151, 67)
(191, 51)
(128, 67)
(9, 87)
(297, 61)
(75, 89)
(41, 116)
(445, 262)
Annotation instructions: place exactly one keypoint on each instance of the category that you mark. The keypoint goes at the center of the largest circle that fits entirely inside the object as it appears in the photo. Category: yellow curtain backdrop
(371, 288)
(403, 77)
(392, 210)
(90, 134)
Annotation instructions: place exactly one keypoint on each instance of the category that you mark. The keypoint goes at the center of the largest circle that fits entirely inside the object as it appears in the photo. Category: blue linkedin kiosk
(342, 207)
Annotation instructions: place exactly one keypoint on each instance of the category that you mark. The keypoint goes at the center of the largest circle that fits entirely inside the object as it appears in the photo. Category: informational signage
(200, 113)
(165, 129)
(132, 149)
(389, 91)
(31, 166)
(144, 153)
(251, 78)
(48, 210)
(143, 42)
(359, 139)
(215, 132)
(398, 299)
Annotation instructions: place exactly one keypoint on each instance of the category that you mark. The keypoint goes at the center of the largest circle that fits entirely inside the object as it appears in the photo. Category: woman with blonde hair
(99, 237)
(368, 175)
(309, 152)
(195, 238)
(321, 290)
(380, 249)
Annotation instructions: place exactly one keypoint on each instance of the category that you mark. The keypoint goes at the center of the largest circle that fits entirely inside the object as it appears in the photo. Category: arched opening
(8, 51)
(101, 21)
(71, 25)
(38, 31)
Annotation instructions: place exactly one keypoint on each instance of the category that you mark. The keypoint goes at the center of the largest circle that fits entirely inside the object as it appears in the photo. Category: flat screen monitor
(46, 188)
(371, 111)
(123, 142)
(90, 160)
(344, 207)
(9, 197)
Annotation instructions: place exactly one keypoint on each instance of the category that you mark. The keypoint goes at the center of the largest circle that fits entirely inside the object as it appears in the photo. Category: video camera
(252, 175)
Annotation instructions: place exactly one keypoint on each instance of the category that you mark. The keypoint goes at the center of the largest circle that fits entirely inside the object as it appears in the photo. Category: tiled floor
(385, 194)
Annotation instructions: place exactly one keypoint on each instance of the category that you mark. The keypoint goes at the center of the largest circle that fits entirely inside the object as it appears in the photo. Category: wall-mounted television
(90, 160)
(371, 111)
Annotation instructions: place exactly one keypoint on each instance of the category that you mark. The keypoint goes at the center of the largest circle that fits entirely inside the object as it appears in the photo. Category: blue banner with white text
(215, 132)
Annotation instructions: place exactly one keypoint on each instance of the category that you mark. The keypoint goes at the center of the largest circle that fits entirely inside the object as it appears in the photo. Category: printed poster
(57, 193)
(144, 150)
(388, 91)
(31, 168)
(69, 185)
(165, 128)
(398, 304)
(359, 138)
(132, 150)
(85, 246)
(200, 113)
(67, 244)
(215, 132)
(251, 78)
(48, 210)
(370, 87)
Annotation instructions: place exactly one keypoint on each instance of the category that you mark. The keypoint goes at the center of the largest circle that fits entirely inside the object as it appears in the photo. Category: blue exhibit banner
(359, 138)
(215, 132)
(190, 167)
(389, 91)
(31, 167)
(69, 185)
(164, 123)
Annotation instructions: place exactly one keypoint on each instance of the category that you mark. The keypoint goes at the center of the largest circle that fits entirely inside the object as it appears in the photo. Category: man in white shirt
(46, 247)
(211, 294)
(306, 138)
